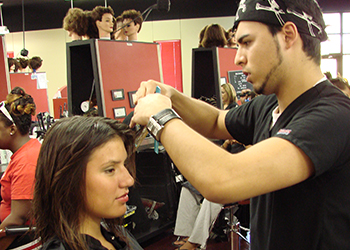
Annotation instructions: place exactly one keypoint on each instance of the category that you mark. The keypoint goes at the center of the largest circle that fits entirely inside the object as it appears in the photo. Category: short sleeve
(22, 183)
(322, 133)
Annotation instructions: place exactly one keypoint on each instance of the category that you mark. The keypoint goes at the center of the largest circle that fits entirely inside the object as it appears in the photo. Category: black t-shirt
(314, 214)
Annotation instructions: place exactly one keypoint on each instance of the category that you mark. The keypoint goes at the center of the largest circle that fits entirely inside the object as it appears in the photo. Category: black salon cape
(56, 244)
(314, 214)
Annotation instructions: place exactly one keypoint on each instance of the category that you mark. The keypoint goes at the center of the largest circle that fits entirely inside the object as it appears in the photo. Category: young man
(298, 169)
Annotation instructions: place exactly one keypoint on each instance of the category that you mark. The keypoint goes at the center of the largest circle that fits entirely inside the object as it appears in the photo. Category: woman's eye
(110, 170)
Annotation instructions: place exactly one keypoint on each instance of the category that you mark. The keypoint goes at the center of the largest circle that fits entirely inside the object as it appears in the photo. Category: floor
(164, 240)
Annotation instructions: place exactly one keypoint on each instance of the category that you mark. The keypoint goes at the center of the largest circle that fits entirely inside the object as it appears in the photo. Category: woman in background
(85, 169)
(18, 179)
(228, 94)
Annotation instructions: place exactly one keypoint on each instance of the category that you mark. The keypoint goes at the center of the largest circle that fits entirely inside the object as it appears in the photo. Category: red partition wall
(122, 67)
(226, 58)
(4, 80)
(25, 81)
(171, 62)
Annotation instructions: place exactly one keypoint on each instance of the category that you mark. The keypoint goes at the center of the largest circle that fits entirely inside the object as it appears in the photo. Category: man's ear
(290, 32)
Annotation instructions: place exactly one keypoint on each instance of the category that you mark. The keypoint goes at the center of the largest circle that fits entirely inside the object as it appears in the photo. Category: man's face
(259, 55)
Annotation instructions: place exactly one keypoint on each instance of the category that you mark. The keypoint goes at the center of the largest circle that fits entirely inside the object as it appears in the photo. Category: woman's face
(5, 136)
(224, 95)
(107, 181)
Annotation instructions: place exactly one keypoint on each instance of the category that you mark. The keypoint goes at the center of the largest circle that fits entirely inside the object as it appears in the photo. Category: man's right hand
(149, 87)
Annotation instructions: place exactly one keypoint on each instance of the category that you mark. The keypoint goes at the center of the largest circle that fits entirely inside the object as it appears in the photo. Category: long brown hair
(59, 194)
(214, 35)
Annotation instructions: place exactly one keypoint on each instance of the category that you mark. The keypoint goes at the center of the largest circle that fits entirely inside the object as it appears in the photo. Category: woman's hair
(231, 93)
(59, 203)
(23, 62)
(76, 21)
(133, 14)
(214, 36)
(21, 107)
(35, 62)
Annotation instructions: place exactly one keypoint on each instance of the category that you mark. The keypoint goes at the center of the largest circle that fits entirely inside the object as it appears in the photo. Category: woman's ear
(290, 32)
(13, 129)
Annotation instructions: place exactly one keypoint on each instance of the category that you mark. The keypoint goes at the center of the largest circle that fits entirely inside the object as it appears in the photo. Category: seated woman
(85, 169)
(228, 94)
(18, 179)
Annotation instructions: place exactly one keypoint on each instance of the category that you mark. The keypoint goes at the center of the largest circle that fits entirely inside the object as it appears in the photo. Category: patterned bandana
(275, 12)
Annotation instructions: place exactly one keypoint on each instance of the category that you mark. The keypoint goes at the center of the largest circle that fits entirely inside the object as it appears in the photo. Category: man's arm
(222, 177)
(219, 176)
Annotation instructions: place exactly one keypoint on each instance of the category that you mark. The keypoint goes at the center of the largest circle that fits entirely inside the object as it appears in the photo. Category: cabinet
(156, 181)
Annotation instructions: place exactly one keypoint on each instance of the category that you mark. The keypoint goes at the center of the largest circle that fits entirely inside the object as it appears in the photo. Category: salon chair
(10, 233)
(233, 227)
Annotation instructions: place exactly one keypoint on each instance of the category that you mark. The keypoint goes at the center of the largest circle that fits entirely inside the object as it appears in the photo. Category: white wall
(50, 45)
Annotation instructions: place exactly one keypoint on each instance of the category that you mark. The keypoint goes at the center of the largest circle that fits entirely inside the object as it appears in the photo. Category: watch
(156, 123)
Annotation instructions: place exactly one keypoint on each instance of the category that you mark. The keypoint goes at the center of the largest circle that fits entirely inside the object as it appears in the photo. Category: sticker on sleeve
(284, 131)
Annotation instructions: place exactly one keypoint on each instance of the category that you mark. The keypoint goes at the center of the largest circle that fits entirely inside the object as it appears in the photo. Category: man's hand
(148, 106)
(149, 87)
(148, 103)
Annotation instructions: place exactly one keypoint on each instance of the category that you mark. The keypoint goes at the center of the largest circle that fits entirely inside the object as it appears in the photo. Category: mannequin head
(91, 31)
(23, 64)
(13, 65)
(132, 27)
(75, 23)
(103, 18)
(35, 63)
(118, 34)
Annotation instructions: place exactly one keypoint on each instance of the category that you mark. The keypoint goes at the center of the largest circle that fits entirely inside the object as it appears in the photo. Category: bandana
(275, 12)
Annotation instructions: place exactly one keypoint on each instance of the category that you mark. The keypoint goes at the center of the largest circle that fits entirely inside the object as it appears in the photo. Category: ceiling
(48, 14)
